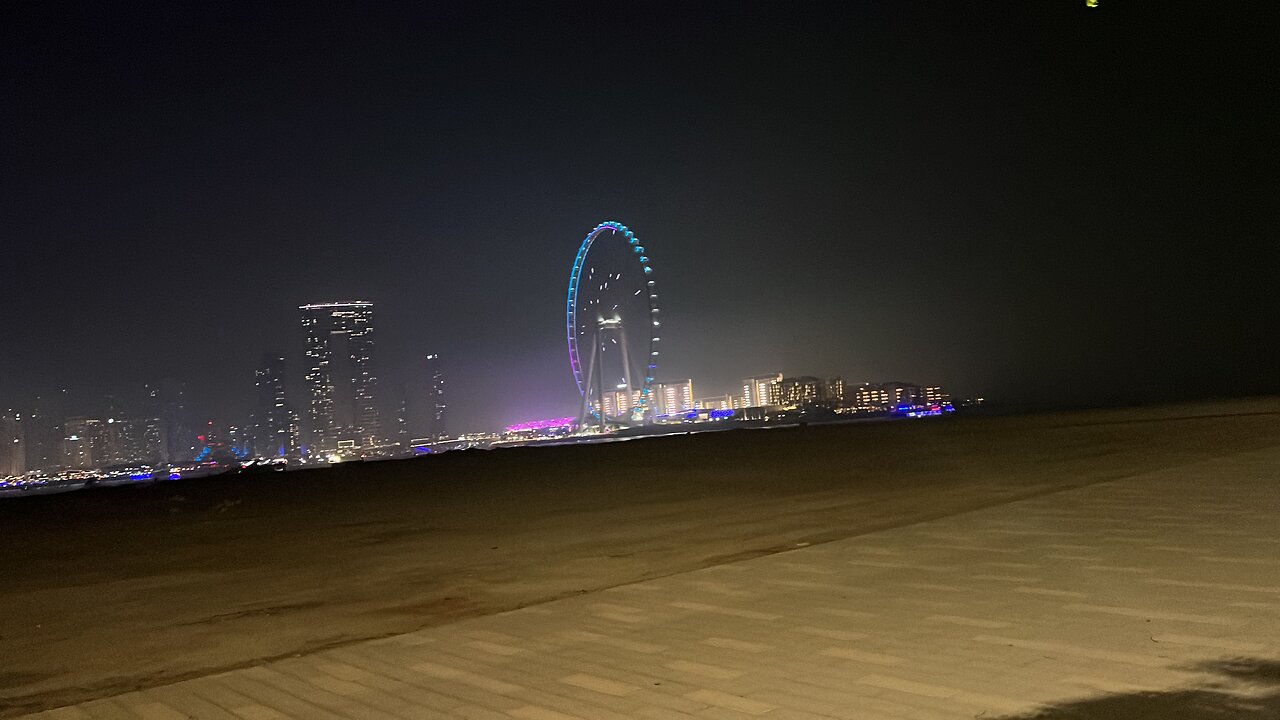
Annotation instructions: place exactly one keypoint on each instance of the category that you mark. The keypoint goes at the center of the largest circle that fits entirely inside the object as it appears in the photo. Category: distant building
(13, 445)
(226, 446)
(153, 440)
(835, 390)
(762, 390)
(890, 396)
(436, 405)
(866, 398)
(806, 390)
(85, 444)
(131, 442)
(275, 430)
(119, 445)
(44, 433)
(402, 421)
(801, 391)
(673, 397)
(719, 402)
(239, 441)
(339, 341)
(903, 393)
(618, 402)
(167, 402)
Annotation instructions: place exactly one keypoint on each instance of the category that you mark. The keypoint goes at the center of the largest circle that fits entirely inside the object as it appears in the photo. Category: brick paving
(1120, 587)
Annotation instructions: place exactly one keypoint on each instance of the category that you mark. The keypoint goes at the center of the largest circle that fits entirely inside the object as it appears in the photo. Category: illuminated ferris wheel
(611, 318)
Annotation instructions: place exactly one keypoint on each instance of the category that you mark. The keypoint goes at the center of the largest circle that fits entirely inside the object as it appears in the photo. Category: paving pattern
(1142, 585)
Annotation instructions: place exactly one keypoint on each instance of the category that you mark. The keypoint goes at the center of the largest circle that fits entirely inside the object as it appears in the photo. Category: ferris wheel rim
(571, 314)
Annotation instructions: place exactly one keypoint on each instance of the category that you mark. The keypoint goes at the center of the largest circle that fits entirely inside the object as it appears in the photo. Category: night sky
(1033, 201)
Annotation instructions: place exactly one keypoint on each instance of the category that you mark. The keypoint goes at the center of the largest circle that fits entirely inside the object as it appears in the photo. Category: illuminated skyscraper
(274, 429)
(436, 406)
(340, 374)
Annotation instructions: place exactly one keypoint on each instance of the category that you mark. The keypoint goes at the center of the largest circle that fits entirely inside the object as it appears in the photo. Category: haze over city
(864, 203)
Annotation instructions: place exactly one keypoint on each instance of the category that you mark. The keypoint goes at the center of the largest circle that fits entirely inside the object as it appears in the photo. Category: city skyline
(344, 410)
(153, 426)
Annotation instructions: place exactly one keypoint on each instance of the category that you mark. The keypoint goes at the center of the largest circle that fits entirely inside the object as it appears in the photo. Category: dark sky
(1032, 201)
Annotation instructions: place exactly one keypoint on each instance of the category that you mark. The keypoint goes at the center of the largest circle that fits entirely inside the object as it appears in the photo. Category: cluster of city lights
(542, 424)
(930, 411)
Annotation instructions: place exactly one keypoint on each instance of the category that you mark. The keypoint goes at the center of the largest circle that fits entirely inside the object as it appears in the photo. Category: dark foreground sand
(109, 590)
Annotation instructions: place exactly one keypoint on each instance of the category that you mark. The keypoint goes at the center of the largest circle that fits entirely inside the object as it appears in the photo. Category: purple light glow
(542, 424)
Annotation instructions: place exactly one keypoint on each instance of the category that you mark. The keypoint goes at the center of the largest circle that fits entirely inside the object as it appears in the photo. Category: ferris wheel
(611, 319)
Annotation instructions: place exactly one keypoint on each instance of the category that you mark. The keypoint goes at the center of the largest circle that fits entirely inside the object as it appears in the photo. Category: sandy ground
(106, 591)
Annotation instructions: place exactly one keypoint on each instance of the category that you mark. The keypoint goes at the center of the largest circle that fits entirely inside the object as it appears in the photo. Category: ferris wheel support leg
(600, 382)
(585, 412)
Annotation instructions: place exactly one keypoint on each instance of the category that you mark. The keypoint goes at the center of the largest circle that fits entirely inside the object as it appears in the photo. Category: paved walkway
(1145, 584)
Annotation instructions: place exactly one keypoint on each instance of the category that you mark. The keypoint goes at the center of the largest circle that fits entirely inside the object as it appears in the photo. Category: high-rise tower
(340, 375)
(13, 446)
(44, 433)
(436, 406)
(166, 402)
(274, 430)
